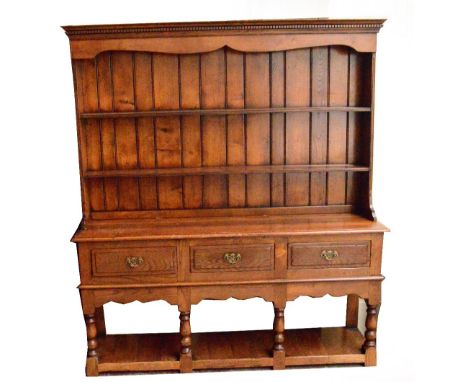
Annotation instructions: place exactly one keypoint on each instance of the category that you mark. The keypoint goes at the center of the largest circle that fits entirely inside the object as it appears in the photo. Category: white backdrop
(419, 192)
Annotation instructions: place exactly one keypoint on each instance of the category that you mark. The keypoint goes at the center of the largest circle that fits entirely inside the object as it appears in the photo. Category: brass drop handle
(134, 261)
(329, 254)
(232, 257)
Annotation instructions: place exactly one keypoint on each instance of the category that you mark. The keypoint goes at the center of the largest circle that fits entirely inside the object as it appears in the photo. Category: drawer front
(329, 255)
(226, 258)
(134, 261)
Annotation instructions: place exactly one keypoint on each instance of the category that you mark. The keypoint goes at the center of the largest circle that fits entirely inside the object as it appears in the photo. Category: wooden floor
(228, 350)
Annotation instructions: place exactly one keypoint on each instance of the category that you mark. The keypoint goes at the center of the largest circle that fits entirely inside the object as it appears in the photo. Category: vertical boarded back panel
(235, 126)
(337, 123)
(168, 142)
(92, 134)
(257, 94)
(125, 134)
(277, 127)
(319, 139)
(191, 137)
(145, 129)
(106, 104)
(297, 125)
(213, 83)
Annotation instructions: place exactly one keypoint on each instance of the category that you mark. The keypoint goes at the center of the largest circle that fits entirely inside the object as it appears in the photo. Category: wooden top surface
(245, 226)
(318, 25)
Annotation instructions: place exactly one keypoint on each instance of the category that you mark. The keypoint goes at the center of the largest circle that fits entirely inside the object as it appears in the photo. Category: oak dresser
(227, 159)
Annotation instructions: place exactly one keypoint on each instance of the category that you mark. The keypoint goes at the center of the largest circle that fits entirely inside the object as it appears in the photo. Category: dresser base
(229, 350)
(275, 265)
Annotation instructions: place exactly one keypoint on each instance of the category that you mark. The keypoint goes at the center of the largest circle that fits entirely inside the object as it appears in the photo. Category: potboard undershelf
(229, 350)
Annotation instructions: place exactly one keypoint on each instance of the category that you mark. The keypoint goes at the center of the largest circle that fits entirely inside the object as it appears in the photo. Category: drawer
(225, 258)
(134, 261)
(329, 255)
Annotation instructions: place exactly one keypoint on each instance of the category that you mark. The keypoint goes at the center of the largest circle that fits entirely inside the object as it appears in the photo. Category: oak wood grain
(227, 160)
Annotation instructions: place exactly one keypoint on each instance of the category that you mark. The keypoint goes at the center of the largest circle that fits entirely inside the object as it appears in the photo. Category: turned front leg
(91, 333)
(279, 354)
(185, 343)
(370, 343)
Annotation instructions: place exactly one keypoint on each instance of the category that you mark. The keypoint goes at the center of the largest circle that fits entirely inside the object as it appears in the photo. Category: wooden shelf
(228, 350)
(266, 110)
(226, 170)
(220, 226)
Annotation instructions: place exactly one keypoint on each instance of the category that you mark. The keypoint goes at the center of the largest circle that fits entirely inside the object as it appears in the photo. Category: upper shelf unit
(183, 112)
